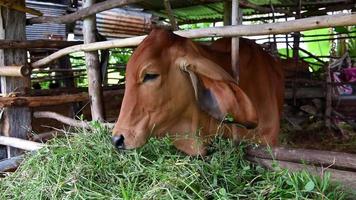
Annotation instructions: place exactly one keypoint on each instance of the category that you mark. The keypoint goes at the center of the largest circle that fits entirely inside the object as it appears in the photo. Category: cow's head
(172, 89)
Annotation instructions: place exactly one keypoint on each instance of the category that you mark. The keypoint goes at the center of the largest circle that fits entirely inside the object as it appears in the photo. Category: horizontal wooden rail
(33, 44)
(82, 13)
(20, 143)
(346, 178)
(338, 160)
(17, 71)
(66, 120)
(226, 31)
(42, 100)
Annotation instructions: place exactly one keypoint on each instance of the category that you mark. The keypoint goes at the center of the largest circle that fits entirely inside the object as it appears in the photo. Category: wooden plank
(92, 63)
(226, 31)
(337, 160)
(82, 13)
(16, 122)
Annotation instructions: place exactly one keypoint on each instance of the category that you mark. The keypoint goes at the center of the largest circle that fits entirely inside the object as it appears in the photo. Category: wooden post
(170, 14)
(236, 19)
(296, 41)
(92, 62)
(328, 98)
(227, 13)
(15, 122)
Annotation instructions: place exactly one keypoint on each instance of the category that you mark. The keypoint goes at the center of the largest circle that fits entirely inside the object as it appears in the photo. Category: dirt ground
(315, 136)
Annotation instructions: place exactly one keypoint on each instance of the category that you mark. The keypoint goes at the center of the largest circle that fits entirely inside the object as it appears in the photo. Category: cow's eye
(149, 77)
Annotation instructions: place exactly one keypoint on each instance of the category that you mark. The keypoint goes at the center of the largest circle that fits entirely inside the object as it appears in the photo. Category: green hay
(85, 166)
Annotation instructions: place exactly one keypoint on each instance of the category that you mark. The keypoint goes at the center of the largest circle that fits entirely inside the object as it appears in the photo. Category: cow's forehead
(151, 48)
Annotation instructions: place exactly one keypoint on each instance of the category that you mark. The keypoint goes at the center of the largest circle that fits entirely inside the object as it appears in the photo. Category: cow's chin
(134, 144)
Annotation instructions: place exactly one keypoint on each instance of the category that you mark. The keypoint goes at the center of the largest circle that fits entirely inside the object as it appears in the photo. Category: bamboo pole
(16, 71)
(82, 13)
(92, 63)
(227, 31)
(20, 143)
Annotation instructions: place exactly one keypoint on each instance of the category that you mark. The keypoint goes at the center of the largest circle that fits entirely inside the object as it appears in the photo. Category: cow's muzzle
(118, 141)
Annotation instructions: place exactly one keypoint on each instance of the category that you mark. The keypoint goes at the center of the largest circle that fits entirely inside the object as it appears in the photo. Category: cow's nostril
(118, 141)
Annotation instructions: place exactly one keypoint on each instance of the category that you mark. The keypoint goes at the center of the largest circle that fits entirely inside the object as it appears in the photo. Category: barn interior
(320, 97)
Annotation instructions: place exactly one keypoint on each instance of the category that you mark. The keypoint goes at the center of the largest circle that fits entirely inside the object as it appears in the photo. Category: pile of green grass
(86, 166)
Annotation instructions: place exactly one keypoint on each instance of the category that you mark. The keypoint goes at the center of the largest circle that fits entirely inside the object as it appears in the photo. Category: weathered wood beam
(16, 122)
(93, 64)
(227, 31)
(42, 100)
(82, 13)
(66, 120)
(20, 143)
(333, 159)
(32, 44)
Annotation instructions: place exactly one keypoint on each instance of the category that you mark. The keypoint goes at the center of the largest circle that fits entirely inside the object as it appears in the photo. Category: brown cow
(180, 88)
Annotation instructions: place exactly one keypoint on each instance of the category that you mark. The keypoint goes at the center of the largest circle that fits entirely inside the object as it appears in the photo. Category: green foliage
(351, 43)
(84, 165)
(195, 26)
(321, 47)
(120, 55)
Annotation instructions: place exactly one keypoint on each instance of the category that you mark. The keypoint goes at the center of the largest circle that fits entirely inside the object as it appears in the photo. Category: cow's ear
(217, 93)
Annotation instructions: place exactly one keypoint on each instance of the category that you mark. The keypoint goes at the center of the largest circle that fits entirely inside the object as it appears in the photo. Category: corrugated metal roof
(43, 31)
(119, 23)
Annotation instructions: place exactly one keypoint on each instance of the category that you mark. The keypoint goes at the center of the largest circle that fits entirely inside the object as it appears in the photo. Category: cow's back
(261, 78)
